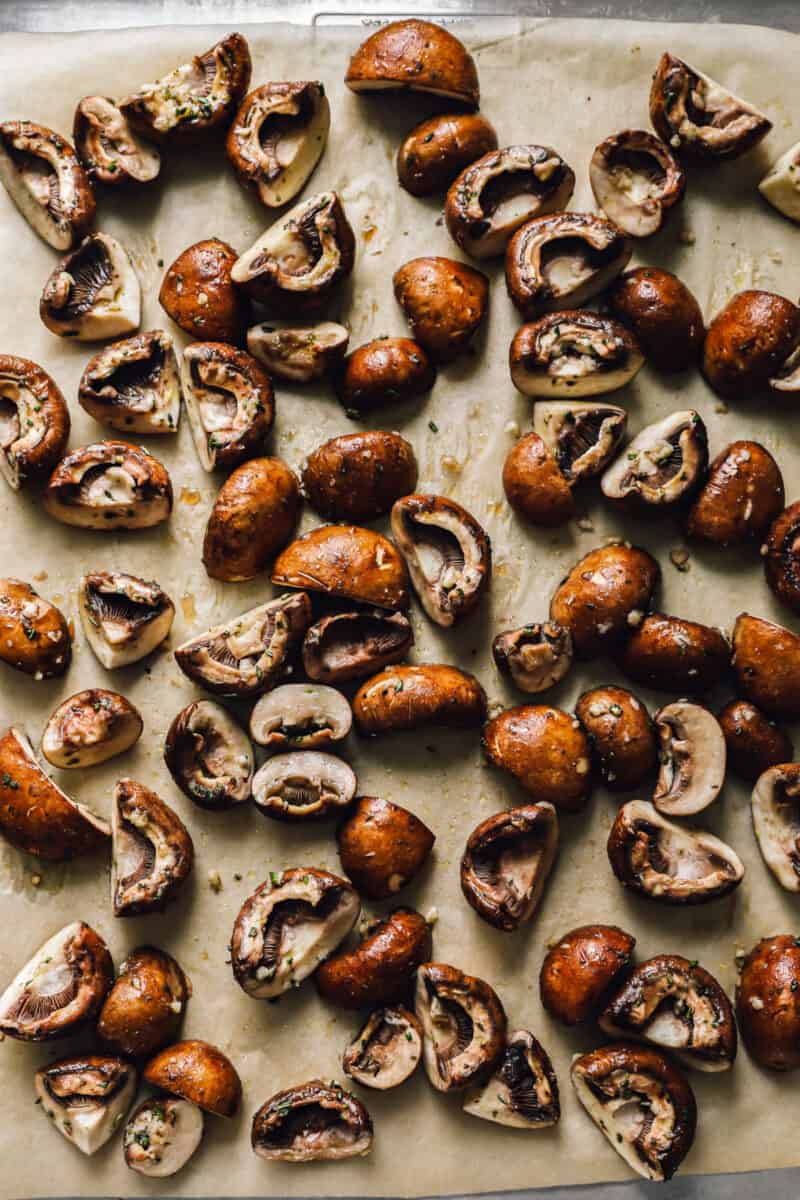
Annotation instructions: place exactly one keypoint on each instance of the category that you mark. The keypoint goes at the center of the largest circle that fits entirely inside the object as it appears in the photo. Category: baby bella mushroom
(751, 347)
(622, 736)
(775, 806)
(463, 1026)
(535, 657)
(380, 969)
(86, 1097)
(383, 372)
(663, 465)
(675, 655)
(417, 55)
(300, 716)
(209, 756)
(545, 750)
(349, 645)
(781, 555)
(692, 755)
(303, 785)
(34, 634)
(34, 421)
(93, 293)
(161, 1136)
(277, 138)
(741, 497)
(134, 385)
(447, 552)
(109, 485)
(605, 596)
(582, 436)
(145, 1007)
(407, 698)
(573, 353)
(108, 147)
(662, 314)
(254, 516)
(523, 1090)
(312, 1122)
(382, 846)
(199, 1073)
(768, 1003)
(436, 150)
(766, 663)
(507, 860)
(229, 402)
(781, 184)
(153, 851)
(534, 484)
(445, 303)
(359, 476)
(42, 175)
(345, 561)
(124, 617)
(387, 1051)
(198, 294)
(580, 970)
(89, 728)
(754, 743)
(636, 180)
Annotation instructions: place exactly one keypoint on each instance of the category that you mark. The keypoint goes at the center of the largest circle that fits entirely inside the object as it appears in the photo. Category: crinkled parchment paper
(565, 83)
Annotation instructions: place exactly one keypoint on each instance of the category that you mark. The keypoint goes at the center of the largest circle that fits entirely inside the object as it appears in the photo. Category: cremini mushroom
(349, 645)
(359, 476)
(751, 347)
(34, 634)
(436, 150)
(417, 55)
(663, 465)
(463, 1026)
(312, 1122)
(162, 1135)
(662, 314)
(534, 484)
(776, 821)
(229, 402)
(254, 516)
(399, 698)
(573, 353)
(124, 617)
(153, 851)
(692, 756)
(636, 180)
(86, 1097)
(198, 1072)
(768, 1002)
(523, 1091)
(445, 303)
(507, 860)
(622, 736)
(145, 1007)
(134, 385)
(546, 751)
(347, 562)
(34, 421)
(41, 173)
(781, 184)
(754, 743)
(387, 1051)
(198, 293)
(535, 657)
(580, 970)
(303, 785)
(674, 655)
(381, 967)
(741, 497)
(299, 353)
(89, 728)
(93, 293)
(583, 438)
(60, 988)
(605, 596)
(382, 372)
(108, 147)
(300, 716)
(109, 485)
(781, 555)
(766, 663)
(209, 756)
(382, 846)
(277, 138)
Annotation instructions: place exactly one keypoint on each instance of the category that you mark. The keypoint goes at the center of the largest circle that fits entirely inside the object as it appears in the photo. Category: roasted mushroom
(382, 846)
(753, 742)
(605, 596)
(303, 785)
(562, 260)
(358, 476)
(573, 353)
(583, 438)
(229, 402)
(312, 1122)
(766, 663)
(60, 988)
(381, 967)
(674, 655)
(445, 303)
(535, 657)
(134, 385)
(277, 138)
(124, 617)
(622, 736)
(153, 851)
(414, 697)
(145, 1007)
(781, 184)
(641, 1103)
(662, 314)
(93, 293)
(162, 1135)
(668, 862)
(350, 645)
(768, 1002)
(86, 1097)
(742, 495)
(781, 554)
(580, 970)
(663, 465)
(89, 728)
(34, 421)
(416, 55)
(506, 863)
(387, 1051)
(300, 716)
(254, 516)
(250, 653)
(34, 634)
(534, 484)
(198, 294)
(109, 485)
(636, 180)
(299, 353)
(345, 561)
(108, 147)
(287, 927)
(492, 197)
(545, 750)
(199, 1073)
(692, 757)
(209, 756)
(384, 371)
(776, 822)
(42, 175)
(463, 1026)
(523, 1091)
(436, 150)
(751, 346)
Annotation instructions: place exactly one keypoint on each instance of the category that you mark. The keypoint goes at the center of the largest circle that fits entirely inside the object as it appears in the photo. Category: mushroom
(664, 464)
(89, 728)
(463, 1026)
(766, 663)
(436, 150)
(698, 117)
(287, 927)
(124, 617)
(382, 846)
(93, 293)
(298, 261)
(580, 970)
(621, 734)
(692, 758)
(384, 371)
(197, 98)
(573, 353)
(754, 743)
(444, 301)
(668, 862)
(145, 1007)
(741, 497)
(781, 184)
(299, 353)
(209, 756)
(312, 1122)
(545, 750)
(277, 138)
(109, 485)
(776, 822)
(562, 260)
(198, 293)
(636, 180)
(162, 1135)
(250, 653)
(303, 785)
(60, 988)
(34, 634)
(535, 657)
(349, 645)
(523, 1091)
(229, 402)
(134, 385)
(534, 484)
(387, 1051)
(414, 697)
(768, 1002)
(676, 1005)
(108, 147)
(34, 421)
(359, 476)
(153, 851)
(781, 554)
(448, 555)
(662, 314)
(381, 967)
(583, 438)
(86, 1097)
(300, 716)
(198, 1072)
(254, 516)
(35, 815)
(496, 194)
(641, 1103)
(348, 562)
(416, 55)
(751, 346)
(674, 655)
(507, 860)
(42, 175)
(604, 596)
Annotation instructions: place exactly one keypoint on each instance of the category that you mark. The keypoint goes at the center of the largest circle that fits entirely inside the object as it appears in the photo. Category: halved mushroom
(534, 484)
(698, 117)
(535, 657)
(506, 864)
(153, 851)
(287, 927)
(198, 294)
(781, 184)
(42, 175)
(350, 645)
(380, 968)
(107, 146)
(384, 371)
(754, 743)
(134, 385)
(145, 1007)
(296, 263)
(109, 485)
(776, 822)
(382, 846)
(573, 353)
(277, 138)
(448, 554)
(124, 617)
(636, 180)
(781, 555)
(580, 970)
(34, 421)
(752, 347)
(742, 496)
(312, 1122)
(492, 197)
(198, 1072)
(768, 1002)
(662, 314)
(387, 1051)
(583, 438)
(89, 728)
(359, 476)
(303, 785)
(250, 653)
(418, 55)
(86, 1097)
(641, 1103)
(299, 353)
(300, 716)
(209, 756)
(61, 987)
(663, 464)
(562, 260)
(34, 635)
(402, 698)
(678, 1005)
(668, 862)
(253, 517)
(229, 402)
(692, 756)
(545, 750)
(674, 655)
(348, 562)
(162, 1135)
(766, 662)
(93, 293)
(463, 1025)
(523, 1091)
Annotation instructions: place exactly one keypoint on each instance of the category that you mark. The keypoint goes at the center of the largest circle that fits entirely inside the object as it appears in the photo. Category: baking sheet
(566, 83)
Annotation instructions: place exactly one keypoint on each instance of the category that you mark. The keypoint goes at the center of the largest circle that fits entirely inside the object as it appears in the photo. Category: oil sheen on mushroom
(89, 728)
(60, 988)
(523, 1091)
(583, 437)
(134, 386)
(109, 485)
(463, 1025)
(34, 635)
(94, 293)
(108, 147)
(387, 1051)
(277, 138)
(312, 1122)
(209, 756)
(664, 463)
(349, 645)
(34, 421)
(86, 1097)
(692, 756)
(124, 617)
(417, 55)
(506, 863)
(636, 180)
(573, 353)
(153, 851)
(776, 822)
(42, 175)
(303, 785)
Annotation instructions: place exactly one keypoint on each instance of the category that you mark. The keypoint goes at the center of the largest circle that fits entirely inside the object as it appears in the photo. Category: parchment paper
(564, 83)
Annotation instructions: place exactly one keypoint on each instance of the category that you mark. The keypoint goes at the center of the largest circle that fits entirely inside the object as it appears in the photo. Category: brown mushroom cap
(134, 385)
(775, 807)
(387, 1051)
(663, 465)
(605, 596)
(381, 967)
(444, 302)
(662, 314)
(781, 553)
(109, 485)
(351, 645)
(419, 55)
(311, 1122)
(299, 353)
(507, 860)
(579, 971)
(463, 1025)
(434, 152)
(766, 663)
(535, 657)
(583, 435)
(523, 1091)
(382, 846)
(145, 1007)
(754, 742)
(345, 561)
(41, 173)
(621, 734)
(197, 292)
(89, 728)
(742, 495)
(153, 851)
(692, 757)
(748, 343)
(413, 697)
(673, 655)
(35, 424)
(534, 484)
(545, 750)
(108, 147)
(768, 1002)
(277, 138)
(86, 1097)
(199, 1073)
(254, 515)
(358, 476)
(573, 353)
(34, 635)
(636, 181)
(229, 402)
(384, 372)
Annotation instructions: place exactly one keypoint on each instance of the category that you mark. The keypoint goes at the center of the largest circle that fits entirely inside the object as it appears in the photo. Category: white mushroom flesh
(458, 1031)
(299, 252)
(386, 1052)
(303, 784)
(536, 656)
(522, 1092)
(162, 1135)
(134, 386)
(635, 1112)
(49, 983)
(280, 134)
(298, 353)
(677, 863)
(446, 559)
(215, 755)
(300, 716)
(582, 437)
(194, 91)
(149, 855)
(21, 425)
(577, 357)
(221, 401)
(110, 144)
(781, 184)
(692, 757)
(86, 1101)
(42, 183)
(124, 617)
(94, 294)
(89, 728)
(776, 821)
(661, 463)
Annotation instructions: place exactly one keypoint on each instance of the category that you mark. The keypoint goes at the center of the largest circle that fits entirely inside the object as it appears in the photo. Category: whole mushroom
(580, 970)
(445, 303)
(198, 293)
(662, 314)
(254, 516)
(768, 1002)
(436, 150)
(545, 750)
(417, 55)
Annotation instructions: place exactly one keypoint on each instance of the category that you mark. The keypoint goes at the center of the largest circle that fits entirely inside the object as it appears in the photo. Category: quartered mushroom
(692, 755)
(523, 1091)
(403, 698)
(277, 138)
(781, 184)
(535, 657)
(124, 617)
(463, 1026)
(766, 663)
(162, 1135)
(153, 851)
(573, 353)
(382, 846)
(229, 403)
(776, 822)
(145, 1007)
(209, 755)
(303, 785)
(623, 738)
(350, 645)
(287, 927)
(380, 968)
(535, 486)
(754, 742)
(636, 180)
(679, 1006)
(493, 196)
(347, 562)
(34, 635)
(86, 1097)
(109, 485)
(674, 655)
(300, 716)
(93, 293)
(580, 970)
(198, 294)
(583, 437)
(417, 55)
(662, 314)
(312, 1122)
(299, 353)
(359, 476)
(742, 496)
(42, 175)
(768, 1002)
(605, 596)
(134, 385)
(752, 347)
(387, 1051)
(198, 1072)
(445, 303)
(60, 988)
(108, 147)
(250, 653)
(34, 421)
(506, 863)
(669, 862)
(663, 464)
(89, 728)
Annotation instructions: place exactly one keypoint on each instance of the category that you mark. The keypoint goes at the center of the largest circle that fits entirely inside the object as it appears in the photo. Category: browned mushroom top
(198, 1072)
(34, 421)
(345, 561)
(418, 55)
(752, 345)
(412, 697)
(34, 635)
(766, 662)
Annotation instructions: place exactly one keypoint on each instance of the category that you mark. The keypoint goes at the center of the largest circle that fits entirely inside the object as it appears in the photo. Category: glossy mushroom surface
(781, 554)
(534, 484)
(34, 421)
(754, 743)
(277, 138)
(768, 1003)
(42, 175)
(605, 596)
(775, 807)
(766, 664)
(405, 698)
(750, 347)
(145, 1007)
(303, 785)
(34, 634)
(299, 353)
(445, 303)
(94, 293)
(622, 736)
(674, 655)
(692, 755)
(198, 294)
(347, 562)
(742, 495)
(312, 1122)
(134, 385)
(229, 403)
(109, 485)
(417, 55)
(636, 180)
(663, 465)
(380, 968)
(434, 152)
(359, 476)
(573, 353)
(580, 970)
(463, 1026)
(89, 728)
(153, 851)
(124, 618)
(583, 437)
(545, 750)
(254, 516)
(108, 147)
(523, 1091)
(209, 756)
(350, 645)
(198, 1072)
(86, 1097)
(387, 1051)
(383, 372)
(662, 314)
(161, 1136)
(507, 860)
(535, 657)
(382, 846)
